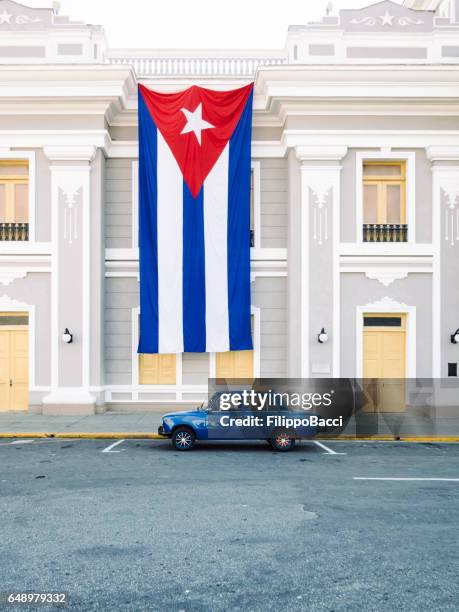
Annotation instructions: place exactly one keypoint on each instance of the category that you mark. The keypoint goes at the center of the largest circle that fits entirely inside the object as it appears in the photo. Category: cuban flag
(194, 220)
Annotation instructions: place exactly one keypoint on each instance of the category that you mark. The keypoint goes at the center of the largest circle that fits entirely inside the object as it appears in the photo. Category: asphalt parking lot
(134, 525)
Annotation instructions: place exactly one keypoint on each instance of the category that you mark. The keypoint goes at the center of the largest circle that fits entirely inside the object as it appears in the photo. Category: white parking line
(109, 448)
(17, 442)
(329, 451)
(405, 479)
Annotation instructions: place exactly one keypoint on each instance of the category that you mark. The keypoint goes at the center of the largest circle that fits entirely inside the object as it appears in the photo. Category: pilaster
(445, 223)
(70, 169)
(318, 227)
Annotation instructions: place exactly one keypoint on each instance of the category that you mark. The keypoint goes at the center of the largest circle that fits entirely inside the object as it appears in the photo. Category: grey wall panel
(423, 197)
(97, 270)
(450, 51)
(32, 51)
(325, 50)
(121, 295)
(118, 203)
(415, 290)
(69, 49)
(449, 257)
(195, 368)
(294, 264)
(274, 196)
(43, 198)
(270, 295)
(348, 198)
(387, 52)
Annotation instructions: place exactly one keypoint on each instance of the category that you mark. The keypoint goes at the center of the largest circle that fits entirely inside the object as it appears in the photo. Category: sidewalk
(109, 422)
(145, 424)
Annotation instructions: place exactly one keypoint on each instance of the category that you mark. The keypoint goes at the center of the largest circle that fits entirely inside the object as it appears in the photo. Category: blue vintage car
(209, 422)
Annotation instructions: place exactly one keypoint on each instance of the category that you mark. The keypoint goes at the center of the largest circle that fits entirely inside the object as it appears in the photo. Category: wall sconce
(323, 336)
(455, 337)
(67, 337)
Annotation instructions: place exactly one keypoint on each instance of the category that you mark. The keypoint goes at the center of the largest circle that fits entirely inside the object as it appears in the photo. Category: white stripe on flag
(215, 240)
(170, 248)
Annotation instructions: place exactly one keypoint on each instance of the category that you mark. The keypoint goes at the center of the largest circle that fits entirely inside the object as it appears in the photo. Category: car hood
(183, 413)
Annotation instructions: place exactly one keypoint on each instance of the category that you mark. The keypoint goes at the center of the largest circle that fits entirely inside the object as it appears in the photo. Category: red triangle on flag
(197, 124)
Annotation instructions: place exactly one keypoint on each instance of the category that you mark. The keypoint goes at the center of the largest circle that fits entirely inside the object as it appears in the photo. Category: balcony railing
(385, 232)
(14, 232)
(189, 66)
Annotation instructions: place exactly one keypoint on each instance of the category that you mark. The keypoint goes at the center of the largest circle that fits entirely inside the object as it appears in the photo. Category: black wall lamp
(322, 337)
(455, 337)
(67, 337)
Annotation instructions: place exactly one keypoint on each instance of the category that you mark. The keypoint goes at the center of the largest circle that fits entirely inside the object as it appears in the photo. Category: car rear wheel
(183, 439)
(282, 441)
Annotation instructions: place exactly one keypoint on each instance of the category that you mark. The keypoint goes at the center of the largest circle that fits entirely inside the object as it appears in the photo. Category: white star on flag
(386, 19)
(195, 122)
(5, 17)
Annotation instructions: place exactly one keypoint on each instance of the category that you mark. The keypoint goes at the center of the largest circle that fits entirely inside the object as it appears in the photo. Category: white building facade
(355, 205)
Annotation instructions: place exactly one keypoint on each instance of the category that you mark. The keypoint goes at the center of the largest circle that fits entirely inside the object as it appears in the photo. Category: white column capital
(442, 153)
(71, 153)
(308, 154)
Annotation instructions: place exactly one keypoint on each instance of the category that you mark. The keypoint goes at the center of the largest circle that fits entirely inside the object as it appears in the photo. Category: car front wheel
(282, 441)
(183, 439)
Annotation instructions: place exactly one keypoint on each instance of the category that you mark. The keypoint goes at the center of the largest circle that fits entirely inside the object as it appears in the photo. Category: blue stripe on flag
(240, 335)
(194, 276)
(148, 231)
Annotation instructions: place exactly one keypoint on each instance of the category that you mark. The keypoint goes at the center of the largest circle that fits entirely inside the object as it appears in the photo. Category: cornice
(442, 153)
(320, 153)
(72, 153)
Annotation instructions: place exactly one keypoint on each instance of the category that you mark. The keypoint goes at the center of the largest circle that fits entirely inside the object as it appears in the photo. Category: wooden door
(234, 364)
(157, 369)
(14, 366)
(384, 362)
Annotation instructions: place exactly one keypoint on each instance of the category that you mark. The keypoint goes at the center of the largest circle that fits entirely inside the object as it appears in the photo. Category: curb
(84, 436)
(147, 436)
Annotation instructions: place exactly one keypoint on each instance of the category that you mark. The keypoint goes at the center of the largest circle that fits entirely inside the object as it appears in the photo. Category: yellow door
(384, 368)
(157, 369)
(14, 380)
(234, 364)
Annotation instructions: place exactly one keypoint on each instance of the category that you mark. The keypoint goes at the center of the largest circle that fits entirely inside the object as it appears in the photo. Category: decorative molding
(25, 19)
(386, 304)
(8, 275)
(407, 21)
(320, 190)
(386, 276)
(7, 303)
(450, 187)
(386, 20)
(70, 212)
(368, 21)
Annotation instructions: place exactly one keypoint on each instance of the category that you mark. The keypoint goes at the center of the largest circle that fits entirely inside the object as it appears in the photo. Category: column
(70, 169)
(445, 239)
(314, 278)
